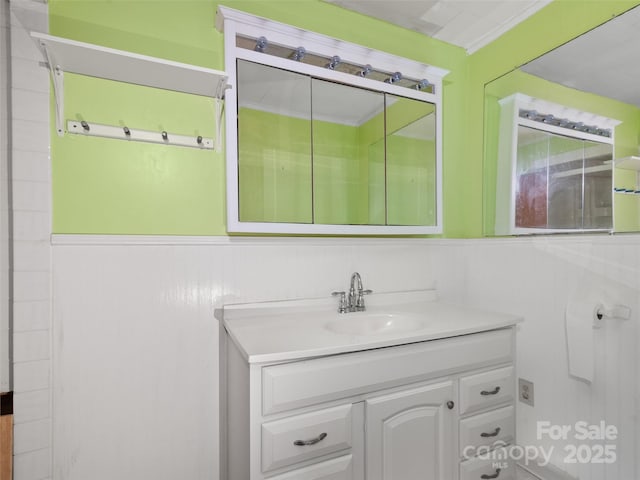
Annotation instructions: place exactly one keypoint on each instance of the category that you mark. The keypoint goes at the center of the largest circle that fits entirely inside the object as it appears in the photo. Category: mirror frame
(232, 23)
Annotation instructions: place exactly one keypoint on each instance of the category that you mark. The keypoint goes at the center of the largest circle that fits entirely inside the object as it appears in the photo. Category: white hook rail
(126, 133)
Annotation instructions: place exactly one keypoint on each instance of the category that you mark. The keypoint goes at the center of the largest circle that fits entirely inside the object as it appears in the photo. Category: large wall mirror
(328, 144)
(576, 177)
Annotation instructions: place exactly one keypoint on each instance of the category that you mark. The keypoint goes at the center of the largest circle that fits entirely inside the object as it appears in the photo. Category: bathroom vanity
(408, 389)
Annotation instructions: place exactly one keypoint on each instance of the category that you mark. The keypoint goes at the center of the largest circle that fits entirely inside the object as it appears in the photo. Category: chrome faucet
(355, 301)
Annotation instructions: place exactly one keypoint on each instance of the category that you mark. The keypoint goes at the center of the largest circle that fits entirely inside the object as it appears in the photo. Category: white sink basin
(375, 323)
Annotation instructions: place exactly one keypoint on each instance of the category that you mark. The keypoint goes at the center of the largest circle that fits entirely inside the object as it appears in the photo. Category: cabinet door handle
(491, 392)
(492, 434)
(495, 475)
(313, 441)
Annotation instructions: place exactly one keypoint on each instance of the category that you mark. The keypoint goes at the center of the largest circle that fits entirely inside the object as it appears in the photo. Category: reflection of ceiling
(470, 24)
(273, 90)
(278, 91)
(422, 129)
(604, 61)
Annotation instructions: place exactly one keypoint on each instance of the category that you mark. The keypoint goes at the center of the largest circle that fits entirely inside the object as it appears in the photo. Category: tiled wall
(31, 199)
(4, 198)
(135, 321)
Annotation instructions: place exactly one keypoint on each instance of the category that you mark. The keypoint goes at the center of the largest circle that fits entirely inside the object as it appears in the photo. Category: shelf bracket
(57, 80)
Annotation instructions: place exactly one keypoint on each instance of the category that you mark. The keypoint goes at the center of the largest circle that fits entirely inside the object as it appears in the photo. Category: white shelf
(64, 55)
(628, 163)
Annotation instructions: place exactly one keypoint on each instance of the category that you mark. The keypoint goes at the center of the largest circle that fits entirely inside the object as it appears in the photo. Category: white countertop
(296, 329)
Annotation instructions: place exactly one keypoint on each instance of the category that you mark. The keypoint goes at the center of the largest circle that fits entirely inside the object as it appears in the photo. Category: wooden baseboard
(6, 447)
(6, 436)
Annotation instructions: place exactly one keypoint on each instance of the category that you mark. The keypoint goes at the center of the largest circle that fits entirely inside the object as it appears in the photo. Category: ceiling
(470, 24)
(604, 61)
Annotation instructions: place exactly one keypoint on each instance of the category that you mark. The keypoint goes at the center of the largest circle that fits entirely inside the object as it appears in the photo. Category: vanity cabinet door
(410, 434)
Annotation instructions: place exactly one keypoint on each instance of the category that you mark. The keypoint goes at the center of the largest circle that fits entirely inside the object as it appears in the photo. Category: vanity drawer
(486, 389)
(325, 431)
(299, 384)
(337, 469)
(488, 469)
(486, 429)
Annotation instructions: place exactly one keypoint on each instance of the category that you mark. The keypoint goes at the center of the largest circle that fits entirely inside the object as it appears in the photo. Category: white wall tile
(30, 166)
(22, 46)
(30, 14)
(33, 465)
(31, 256)
(31, 436)
(31, 226)
(30, 376)
(31, 286)
(32, 196)
(30, 75)
(30, 316)
(29, 135)
(29, 105)
(31, 406)
(31, 346)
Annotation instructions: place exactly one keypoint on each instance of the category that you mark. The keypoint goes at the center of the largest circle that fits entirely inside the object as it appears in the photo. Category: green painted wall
(114, 187)
(109, 186)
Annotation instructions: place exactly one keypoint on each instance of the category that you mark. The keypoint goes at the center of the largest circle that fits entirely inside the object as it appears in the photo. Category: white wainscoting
(135, 342)
(135, 350)
(536, 277)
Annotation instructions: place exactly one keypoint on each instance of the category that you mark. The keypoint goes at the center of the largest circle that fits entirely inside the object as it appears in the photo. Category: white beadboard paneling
(31, 166)
(29, 105)
(31, 376)
(31, 226)
(33, 465)
(536, 277)
(32, 196)
(261, 273)
(29, 135)
(393, 267)
(30, 75)
(31, 346)
(30, 316)
(31, 406)
(31, 256)
(136, 325)
(31, 286)
(31, 436)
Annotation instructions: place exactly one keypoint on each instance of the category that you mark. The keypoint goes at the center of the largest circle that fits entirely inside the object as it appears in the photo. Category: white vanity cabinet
(406, 432)
(401, 412)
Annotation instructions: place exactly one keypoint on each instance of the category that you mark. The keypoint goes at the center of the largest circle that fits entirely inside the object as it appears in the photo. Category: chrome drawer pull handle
(492, 392)
(492, 434)
(495, 475)
(313, 441)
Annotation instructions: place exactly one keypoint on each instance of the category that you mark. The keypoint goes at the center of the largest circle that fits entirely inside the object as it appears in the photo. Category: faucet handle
(367, 292)
(342, 306)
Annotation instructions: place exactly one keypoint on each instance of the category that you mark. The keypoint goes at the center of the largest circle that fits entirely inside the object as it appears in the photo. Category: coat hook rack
(126, 133)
